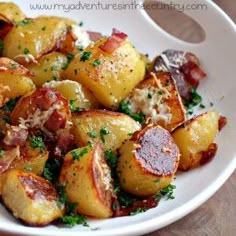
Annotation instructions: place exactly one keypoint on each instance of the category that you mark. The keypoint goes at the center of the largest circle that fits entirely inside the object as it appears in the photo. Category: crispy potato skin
(118, 125)
(88, 182)
(148, 161)
(49, 67)
(11, 11)
(31, 198)
(15, 78)
(116, 75)
(161, 91)
(33, 39)
(195, 139)
(74, 91)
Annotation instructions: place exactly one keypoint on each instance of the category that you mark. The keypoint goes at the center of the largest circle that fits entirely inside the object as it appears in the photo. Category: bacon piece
(94, 36)
(15, 136)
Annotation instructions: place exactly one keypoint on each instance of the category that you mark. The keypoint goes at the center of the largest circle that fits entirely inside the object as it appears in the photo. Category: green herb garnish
(26, 51)
(124, 107)
(73, 107)
(111, 159)
(1, 152)
(92, 134)
(77, 153)
(52, 170)
(167, 192)
(1, 46)
(37, 142)
(9, 106)
(28, 169)
(86, 56)
(6, 119)
(103, 132)
(96, 63)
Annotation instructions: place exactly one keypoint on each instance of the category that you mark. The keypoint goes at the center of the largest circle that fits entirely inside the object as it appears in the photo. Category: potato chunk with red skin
(31, 198)
(148, 161)
(88, 181)
(47, 105)
(195, 139)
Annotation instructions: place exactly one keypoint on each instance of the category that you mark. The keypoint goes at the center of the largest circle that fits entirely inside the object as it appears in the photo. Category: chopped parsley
(6, 119)
(9, 106)
(196, 99)
(43, 28)
(37, 142)
(124, 108)
(137, 211)
(92, 134)
(111, 159)
(61, 188)
(149, 96)
(167, 192)
(81, 23)
(25, 22)
(69, 57)
(52, 170)
(96, 63)
(1, 46)
(86, 56)
(72, 220)
(26, 51)
(1, 152)
(103, 132)
(73, 107)
(28, 169)
(77, 153)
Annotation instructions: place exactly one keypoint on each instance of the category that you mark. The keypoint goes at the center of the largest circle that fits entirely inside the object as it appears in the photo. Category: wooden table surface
(218, 215)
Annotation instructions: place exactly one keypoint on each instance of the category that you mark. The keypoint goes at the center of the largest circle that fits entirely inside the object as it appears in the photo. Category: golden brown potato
(195, 139)
(110, 76)
(79, 96)
(11, 11)
(15, 80)
(148, 161)
(28, 41)
(111, 128)
(88, 181)
(31, 198)
(49, 67)
(158, 99)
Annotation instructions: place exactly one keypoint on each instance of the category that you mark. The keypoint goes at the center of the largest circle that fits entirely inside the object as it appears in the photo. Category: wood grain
(218, 215)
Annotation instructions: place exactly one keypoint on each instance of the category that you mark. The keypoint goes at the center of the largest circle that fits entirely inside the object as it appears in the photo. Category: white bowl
(218, 56)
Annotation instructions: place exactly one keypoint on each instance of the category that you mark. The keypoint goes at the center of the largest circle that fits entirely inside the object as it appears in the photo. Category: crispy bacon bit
(94, 36)
(15, 136)
(65, 139)
(222, 122)
(56, 121)
(114, 41)
(7, 158)
(193, 73)
(138, 204)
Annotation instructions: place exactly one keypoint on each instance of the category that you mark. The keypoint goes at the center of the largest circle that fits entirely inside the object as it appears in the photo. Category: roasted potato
(111, 128)
(28, 41)
(88, 181)
(15, 80)
(11, 11)
(49, 67)
(158, 99)
(77, 94)
(148, 161)
(195, 139)
(31, 198)
(110, 76)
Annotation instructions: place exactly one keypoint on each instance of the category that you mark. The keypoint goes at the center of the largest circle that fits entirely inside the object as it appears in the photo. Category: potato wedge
(110, 77)
(49, 67)
(88, 181)
(148, 161)
(195, 139)
(15, 79)
(11, 11)
(158, 99)
(31, 198)
(74, 92)
(111, 128)
(27, 42)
